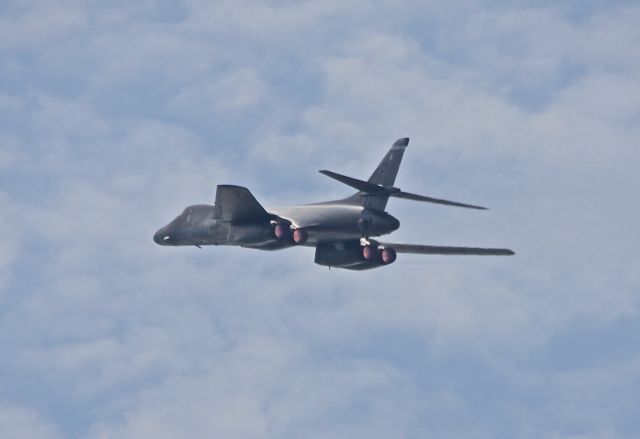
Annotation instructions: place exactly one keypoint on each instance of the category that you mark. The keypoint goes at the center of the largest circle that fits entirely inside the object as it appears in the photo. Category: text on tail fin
(386, 172)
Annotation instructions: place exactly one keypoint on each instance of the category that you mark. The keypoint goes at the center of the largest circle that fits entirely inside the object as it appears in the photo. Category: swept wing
(445, 250)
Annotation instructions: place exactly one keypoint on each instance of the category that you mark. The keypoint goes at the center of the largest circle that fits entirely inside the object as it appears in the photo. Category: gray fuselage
(341, 231)
(322, 222)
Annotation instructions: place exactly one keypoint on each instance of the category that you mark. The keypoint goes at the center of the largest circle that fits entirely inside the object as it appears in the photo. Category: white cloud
(261, 390)
(9, 238)
(37, 23)
(240, 91)
(138, 115)
(23, 423)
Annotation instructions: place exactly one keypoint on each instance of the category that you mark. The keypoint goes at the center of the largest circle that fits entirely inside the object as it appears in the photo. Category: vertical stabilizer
(385, 173)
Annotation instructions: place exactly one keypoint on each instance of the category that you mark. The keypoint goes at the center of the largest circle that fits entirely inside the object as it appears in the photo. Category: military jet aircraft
(342, 231)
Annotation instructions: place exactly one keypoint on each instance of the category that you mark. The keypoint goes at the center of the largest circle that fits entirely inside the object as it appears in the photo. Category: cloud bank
(115, 115)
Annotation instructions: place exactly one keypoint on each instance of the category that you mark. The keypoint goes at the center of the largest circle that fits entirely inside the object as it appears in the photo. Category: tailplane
(375, 192)
(383, 177)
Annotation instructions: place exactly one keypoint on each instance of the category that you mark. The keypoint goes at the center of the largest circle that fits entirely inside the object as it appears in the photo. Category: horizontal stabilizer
(439, 250)
(414, 197)
(235, 203)
(370, 189)
(362, 186)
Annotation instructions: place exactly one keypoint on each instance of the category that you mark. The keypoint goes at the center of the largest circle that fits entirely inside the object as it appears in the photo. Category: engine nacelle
(250, 234)
(388, 255)
(351, 256)
(300, 236)
(370, 252)
(338, 254)
(282, 231)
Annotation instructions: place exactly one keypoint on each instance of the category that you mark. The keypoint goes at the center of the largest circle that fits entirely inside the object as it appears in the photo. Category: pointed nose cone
(160, 237)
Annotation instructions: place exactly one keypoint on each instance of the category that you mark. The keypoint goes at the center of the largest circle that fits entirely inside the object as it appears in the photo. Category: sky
(115, 115)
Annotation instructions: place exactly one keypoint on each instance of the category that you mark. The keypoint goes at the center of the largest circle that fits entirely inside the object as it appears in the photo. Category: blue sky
(115, 115)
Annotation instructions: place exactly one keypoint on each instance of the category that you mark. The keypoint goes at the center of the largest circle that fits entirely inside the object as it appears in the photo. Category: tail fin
(375, 192)
(385, 173)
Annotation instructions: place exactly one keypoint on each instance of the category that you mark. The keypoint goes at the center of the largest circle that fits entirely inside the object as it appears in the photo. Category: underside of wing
(443, 250)
(236, 203)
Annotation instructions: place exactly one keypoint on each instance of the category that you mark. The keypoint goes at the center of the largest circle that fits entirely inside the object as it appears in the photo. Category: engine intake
(249, 234)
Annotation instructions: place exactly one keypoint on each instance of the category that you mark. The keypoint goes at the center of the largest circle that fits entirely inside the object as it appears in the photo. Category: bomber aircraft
(342, 231)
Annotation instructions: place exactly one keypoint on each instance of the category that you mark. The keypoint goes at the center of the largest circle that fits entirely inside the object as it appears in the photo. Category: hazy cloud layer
(115, 115)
